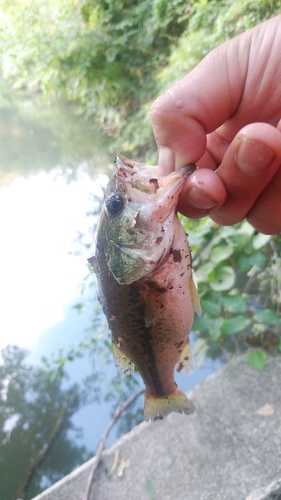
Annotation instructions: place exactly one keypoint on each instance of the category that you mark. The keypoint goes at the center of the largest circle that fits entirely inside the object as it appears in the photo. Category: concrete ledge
(230, 449)
(272, 491)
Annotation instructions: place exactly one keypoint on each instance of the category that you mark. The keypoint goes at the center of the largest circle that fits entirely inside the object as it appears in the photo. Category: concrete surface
(230, 449)
(271, 491)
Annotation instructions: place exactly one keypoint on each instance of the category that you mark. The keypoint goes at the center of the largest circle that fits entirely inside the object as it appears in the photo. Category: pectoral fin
(195, 295)
(122, 362)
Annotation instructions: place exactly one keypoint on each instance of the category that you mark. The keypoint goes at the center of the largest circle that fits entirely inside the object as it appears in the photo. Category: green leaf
(246, 230)
(235, 325)
(222, 278)
(211, 325)
(202, 324)
(257, 359)
(150, 489)
(267, 316)
(203, 272)
(215, 329)
(45, 361)
(210, 307)
(246, 263)
(260, 240)
(279, 345)
(233, 303)
(220, 253)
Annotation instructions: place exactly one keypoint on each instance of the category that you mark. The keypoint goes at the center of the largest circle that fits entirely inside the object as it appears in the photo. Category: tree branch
(118, 412)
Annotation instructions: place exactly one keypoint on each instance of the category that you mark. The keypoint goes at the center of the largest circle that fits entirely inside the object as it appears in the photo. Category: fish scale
(113, 297)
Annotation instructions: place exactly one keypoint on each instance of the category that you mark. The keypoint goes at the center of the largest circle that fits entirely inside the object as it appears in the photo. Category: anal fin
(122, 362)
(186, 360)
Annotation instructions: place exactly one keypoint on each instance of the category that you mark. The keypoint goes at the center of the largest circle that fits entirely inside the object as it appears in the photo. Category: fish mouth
(127, 168)
(144, 179)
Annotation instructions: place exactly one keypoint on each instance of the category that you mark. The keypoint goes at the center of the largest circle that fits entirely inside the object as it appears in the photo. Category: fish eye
(114, 204)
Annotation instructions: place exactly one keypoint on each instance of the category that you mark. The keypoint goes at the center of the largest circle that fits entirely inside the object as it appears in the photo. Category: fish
(146, 283)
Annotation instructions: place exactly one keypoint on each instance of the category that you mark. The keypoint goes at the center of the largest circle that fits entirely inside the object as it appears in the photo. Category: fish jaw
(138, 238)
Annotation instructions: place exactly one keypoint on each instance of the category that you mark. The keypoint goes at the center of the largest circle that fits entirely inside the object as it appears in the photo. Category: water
(51, 164)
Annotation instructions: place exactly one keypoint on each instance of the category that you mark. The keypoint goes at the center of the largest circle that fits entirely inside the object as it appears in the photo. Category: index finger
(218, 95)
(194, 107)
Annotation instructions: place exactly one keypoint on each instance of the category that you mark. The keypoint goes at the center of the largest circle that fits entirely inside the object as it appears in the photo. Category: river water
(51, 164)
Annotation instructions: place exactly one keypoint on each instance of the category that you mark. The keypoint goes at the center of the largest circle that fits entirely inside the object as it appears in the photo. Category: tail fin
(156, 408)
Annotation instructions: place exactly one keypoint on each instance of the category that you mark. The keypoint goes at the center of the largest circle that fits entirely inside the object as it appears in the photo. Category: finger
(216, 149)
(248, 166)
(166, 162)
(265, 215)
(203, 192)
(236, 84)
(200, 102)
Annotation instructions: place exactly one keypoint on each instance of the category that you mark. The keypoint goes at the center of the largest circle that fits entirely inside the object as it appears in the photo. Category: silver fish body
(146, 289)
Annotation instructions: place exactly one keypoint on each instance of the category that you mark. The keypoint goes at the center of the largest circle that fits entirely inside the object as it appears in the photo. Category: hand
(225, 115)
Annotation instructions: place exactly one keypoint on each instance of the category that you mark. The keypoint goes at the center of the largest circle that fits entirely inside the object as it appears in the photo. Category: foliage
(257, 359)
(35, 422)
(212, 23)
(239, 280)
(100, 53)
(114, 58)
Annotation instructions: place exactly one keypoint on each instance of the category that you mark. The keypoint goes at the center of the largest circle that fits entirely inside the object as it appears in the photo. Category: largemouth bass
(143, 266)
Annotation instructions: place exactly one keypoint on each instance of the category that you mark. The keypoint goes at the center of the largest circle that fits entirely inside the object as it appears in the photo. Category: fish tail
(157, 407)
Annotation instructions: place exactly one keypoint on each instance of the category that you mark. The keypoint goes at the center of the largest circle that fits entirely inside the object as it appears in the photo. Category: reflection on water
(51, 163)
(35, 138)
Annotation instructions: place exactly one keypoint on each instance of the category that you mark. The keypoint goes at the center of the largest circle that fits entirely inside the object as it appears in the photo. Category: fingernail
(253, 158)
(200, 199)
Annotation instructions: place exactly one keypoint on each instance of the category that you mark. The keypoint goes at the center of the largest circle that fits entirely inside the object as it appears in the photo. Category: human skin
(225, 116)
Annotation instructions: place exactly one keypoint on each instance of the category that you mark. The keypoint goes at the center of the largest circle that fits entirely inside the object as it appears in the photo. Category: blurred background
(76, 83)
